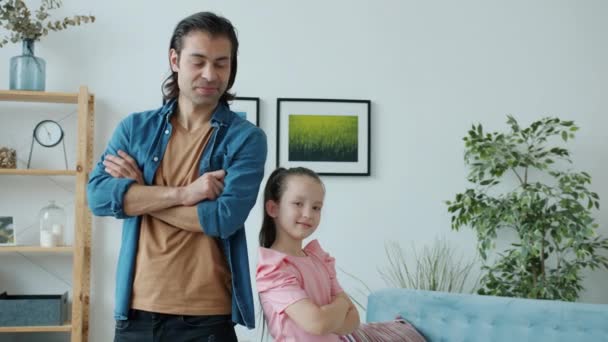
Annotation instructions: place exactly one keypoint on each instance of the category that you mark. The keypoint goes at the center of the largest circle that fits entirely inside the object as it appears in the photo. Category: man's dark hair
(215, 26)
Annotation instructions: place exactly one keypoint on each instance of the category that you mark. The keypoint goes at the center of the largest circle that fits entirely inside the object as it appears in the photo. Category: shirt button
(155, 159)
(167, 131)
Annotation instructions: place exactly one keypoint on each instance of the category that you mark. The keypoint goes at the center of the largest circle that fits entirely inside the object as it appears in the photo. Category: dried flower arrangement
(17, 19)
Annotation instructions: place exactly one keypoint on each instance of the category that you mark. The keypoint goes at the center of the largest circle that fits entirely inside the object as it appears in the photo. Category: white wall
(430, 68)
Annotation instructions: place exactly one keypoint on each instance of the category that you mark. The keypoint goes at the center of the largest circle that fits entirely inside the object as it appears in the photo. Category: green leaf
(547, 215)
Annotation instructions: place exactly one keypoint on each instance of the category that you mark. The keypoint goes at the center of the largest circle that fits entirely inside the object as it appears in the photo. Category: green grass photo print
(328, 136)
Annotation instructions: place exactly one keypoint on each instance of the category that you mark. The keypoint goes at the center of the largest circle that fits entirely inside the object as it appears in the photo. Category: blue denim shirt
(236, 145)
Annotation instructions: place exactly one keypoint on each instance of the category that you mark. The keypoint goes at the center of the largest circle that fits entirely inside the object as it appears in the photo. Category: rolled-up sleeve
(105, 194)
(223, 216)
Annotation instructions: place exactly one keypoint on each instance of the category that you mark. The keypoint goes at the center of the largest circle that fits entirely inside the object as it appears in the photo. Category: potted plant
(439, 267)
(522, 184)
(28, 72)
(436, 268)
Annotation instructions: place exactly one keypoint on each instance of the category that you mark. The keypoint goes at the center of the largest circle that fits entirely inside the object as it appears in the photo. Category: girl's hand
(342, 300)
(346, 298)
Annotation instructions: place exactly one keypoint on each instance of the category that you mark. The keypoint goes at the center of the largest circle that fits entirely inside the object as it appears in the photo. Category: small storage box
(32, 310)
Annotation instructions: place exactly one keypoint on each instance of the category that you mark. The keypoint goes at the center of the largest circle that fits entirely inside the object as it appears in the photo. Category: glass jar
(52, 225)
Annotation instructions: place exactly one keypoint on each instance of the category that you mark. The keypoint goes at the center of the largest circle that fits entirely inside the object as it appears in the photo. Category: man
(184, 178)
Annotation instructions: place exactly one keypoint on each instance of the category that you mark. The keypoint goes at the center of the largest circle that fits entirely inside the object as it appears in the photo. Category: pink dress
(284, 279)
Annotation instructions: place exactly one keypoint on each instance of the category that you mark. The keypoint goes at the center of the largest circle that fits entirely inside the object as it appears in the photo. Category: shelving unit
(61, 328)
(44, 97)
(18, 172)
(81, 249)
(37, 249)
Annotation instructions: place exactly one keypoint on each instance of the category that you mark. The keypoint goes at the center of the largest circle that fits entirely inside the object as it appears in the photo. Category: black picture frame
(248, 108)
(330, 136)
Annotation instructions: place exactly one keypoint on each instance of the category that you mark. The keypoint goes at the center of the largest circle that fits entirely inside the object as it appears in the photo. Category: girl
(299, 292)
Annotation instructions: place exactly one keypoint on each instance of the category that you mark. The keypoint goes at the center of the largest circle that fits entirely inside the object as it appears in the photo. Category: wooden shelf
(80, 252)
(37, 172)
(37, 249)
(57, 328)
(39, 96)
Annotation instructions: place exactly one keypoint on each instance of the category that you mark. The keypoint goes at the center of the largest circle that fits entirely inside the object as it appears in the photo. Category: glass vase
(52, 225)
(28, 72)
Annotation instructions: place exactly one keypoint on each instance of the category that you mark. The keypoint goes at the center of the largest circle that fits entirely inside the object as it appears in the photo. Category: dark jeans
(143, 326)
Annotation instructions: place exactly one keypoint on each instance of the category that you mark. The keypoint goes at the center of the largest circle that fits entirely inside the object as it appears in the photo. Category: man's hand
(208, 186)
(123, 166)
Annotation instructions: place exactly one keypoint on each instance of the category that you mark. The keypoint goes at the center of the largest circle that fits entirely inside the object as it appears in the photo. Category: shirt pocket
(220, 161)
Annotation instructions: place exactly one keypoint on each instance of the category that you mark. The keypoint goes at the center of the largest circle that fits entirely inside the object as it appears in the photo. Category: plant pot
(28, 72)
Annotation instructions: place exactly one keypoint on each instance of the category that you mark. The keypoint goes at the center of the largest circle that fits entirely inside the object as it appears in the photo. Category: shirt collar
(221, 114)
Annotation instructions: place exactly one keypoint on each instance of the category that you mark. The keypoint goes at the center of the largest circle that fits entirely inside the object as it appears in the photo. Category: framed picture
(331, 137)
(7, 231)
(248, 108)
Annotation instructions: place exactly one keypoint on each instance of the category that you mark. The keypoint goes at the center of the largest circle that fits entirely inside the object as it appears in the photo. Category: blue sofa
(450, 317)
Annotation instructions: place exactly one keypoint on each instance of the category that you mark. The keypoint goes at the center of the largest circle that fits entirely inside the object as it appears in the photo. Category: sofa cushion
(398, 330)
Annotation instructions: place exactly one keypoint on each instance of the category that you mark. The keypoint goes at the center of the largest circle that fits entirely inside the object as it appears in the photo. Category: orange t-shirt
(178, 271)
